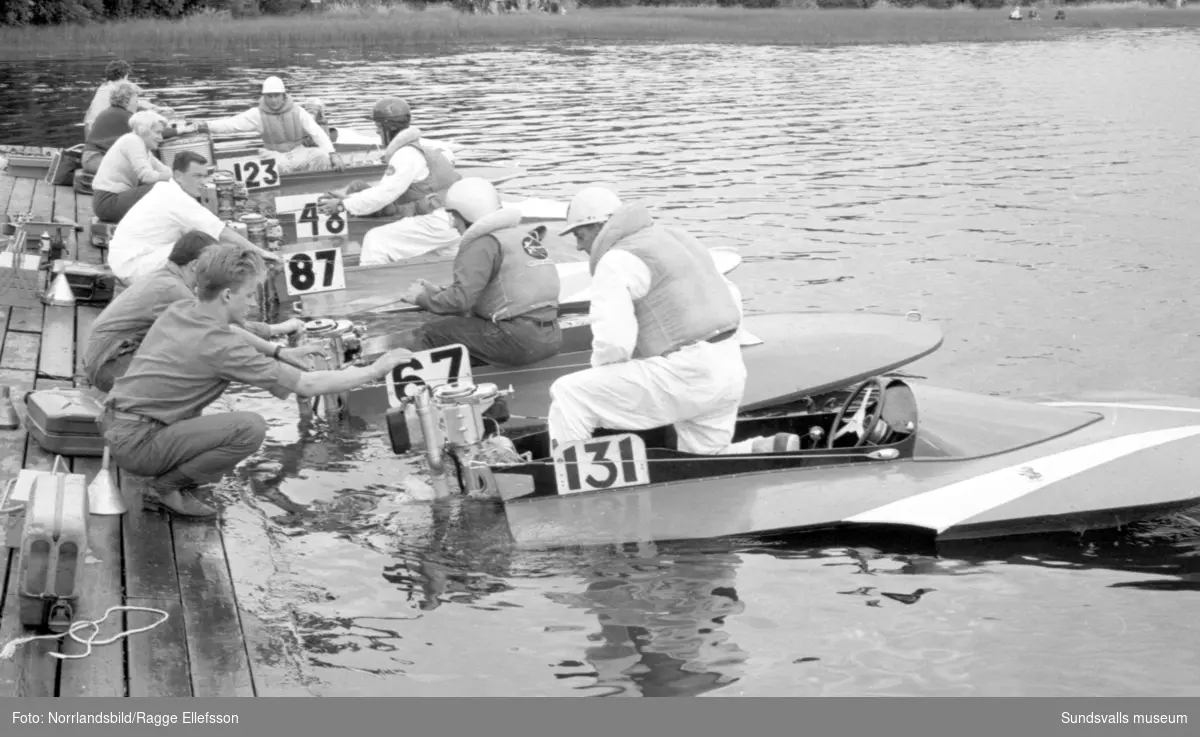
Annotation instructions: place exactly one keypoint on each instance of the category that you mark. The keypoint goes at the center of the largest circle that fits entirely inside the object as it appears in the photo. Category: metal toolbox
(65, 421)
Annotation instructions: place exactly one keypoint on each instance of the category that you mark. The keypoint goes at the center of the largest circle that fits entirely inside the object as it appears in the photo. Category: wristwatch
(275, 353)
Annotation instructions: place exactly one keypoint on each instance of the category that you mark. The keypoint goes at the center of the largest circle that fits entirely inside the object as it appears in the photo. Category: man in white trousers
(656, 290)
(414, 187)
(285, 127)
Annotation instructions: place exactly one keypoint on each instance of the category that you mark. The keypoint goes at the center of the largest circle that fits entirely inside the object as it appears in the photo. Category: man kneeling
(503, 303)
(656, 290)
(152, 420)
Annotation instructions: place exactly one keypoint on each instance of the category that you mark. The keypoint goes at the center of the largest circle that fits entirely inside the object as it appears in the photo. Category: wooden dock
(208, 646)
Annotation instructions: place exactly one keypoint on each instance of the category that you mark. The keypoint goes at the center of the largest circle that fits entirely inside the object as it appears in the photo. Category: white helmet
(590, 205)
(273, 86)
(472, 198)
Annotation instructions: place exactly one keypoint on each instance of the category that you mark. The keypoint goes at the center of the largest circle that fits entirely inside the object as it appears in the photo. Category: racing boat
(879, 449)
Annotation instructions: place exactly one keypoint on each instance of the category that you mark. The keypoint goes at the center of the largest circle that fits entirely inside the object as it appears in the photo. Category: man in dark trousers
(121, 327)
(152, 420)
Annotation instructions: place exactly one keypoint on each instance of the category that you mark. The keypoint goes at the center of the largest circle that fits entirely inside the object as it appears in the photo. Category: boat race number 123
(447, 365)
(596, 464)
(253, 172)
(309, 272)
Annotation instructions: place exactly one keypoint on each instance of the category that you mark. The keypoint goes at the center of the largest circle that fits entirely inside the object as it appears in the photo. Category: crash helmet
(590, 205)
(472, 198)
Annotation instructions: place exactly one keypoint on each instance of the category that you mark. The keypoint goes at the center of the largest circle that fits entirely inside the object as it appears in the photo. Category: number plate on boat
(445, 365)
(311, 223)
(254, 172)
(595, 464)
(309, 272)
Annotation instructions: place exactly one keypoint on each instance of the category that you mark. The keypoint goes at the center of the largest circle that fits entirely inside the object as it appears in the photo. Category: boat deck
(208, 646)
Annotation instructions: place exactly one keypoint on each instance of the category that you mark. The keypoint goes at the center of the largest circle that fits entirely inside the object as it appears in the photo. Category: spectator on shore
(130, 169)
(145, 236)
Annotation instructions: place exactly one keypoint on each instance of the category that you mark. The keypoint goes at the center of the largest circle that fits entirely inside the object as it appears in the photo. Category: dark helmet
(391, 110)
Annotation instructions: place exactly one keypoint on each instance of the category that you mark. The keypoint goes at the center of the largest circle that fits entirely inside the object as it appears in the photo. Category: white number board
(311, 223)
(310, 272)
(595, 464)
(446, 365)
(253, 171)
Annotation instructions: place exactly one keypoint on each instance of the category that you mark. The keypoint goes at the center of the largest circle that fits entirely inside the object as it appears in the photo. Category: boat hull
(1092, 475)
(801, 354)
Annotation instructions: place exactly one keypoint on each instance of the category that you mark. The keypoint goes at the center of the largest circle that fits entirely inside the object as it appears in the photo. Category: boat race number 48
(309, 272)
(310, 217)
(446, 365)
(254, 172)
(596, 464)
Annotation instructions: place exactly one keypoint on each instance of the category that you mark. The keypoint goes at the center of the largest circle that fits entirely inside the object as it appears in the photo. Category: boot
(174, 492)
(782, 442)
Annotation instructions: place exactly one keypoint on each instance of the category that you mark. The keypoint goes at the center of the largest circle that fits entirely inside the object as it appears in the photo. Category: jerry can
(54, 545)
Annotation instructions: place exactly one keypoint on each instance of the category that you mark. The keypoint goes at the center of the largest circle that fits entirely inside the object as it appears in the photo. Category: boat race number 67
(254, 172)
(309, 272)
(596, 464)
(446, 365)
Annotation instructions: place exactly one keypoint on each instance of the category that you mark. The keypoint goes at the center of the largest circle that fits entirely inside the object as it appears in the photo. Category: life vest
(527, 279)
(282, 130)
(428, 194)
(689, 300)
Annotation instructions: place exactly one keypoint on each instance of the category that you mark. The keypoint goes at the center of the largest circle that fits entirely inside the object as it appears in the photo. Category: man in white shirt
(416, 181)
(655, 290)
(145, 236)
(283, 126)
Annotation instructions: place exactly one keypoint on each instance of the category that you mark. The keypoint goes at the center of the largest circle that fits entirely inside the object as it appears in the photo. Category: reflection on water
(1037, 199)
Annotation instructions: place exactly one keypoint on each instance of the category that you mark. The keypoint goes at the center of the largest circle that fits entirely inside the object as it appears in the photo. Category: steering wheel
(856, 423)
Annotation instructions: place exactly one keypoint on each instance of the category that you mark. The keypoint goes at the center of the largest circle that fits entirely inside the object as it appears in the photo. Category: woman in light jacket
(130, 169)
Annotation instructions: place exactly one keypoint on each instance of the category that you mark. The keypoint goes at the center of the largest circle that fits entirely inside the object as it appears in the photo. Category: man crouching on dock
(152, 418)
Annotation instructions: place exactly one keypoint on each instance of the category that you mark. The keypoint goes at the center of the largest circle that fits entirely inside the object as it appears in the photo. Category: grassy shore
(357, 27)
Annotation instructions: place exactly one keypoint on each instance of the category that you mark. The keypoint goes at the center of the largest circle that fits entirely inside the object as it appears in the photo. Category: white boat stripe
(944, 507)
(1120, 405)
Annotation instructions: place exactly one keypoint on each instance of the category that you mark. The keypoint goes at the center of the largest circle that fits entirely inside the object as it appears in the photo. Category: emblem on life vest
(390, 171)
(532, 243)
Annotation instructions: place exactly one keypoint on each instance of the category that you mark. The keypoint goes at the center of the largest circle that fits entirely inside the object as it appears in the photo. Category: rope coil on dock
(11, 648)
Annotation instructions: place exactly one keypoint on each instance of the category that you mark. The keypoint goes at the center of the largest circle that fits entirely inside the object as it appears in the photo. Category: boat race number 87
(596, 464)
(309, 272)
(334, 224)
(446, 365)
(254, 172)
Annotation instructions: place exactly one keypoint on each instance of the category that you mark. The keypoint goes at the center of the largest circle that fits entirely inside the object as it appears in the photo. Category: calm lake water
(1039, 200)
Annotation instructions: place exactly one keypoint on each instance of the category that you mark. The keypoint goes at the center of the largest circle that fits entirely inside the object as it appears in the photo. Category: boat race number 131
(253, 172)
(601, 463)
(309, 272)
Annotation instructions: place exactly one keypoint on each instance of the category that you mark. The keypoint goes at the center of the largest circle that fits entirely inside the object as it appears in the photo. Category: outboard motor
(342, 345)
(450, 421)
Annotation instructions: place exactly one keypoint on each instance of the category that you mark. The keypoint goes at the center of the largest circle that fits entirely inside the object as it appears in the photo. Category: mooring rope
(11, 648)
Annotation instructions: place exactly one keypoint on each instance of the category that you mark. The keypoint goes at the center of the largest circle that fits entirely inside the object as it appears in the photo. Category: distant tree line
(49, 12)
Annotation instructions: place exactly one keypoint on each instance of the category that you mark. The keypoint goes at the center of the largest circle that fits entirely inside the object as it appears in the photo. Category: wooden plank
(43, 201)
(6, 187)
(149, 548)
(64, 207)
(57, 355)
(158, 659)
(216, 648)
(102, 673)
(27, 319)
(83, 215)
(275, 663)
(18, 370)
